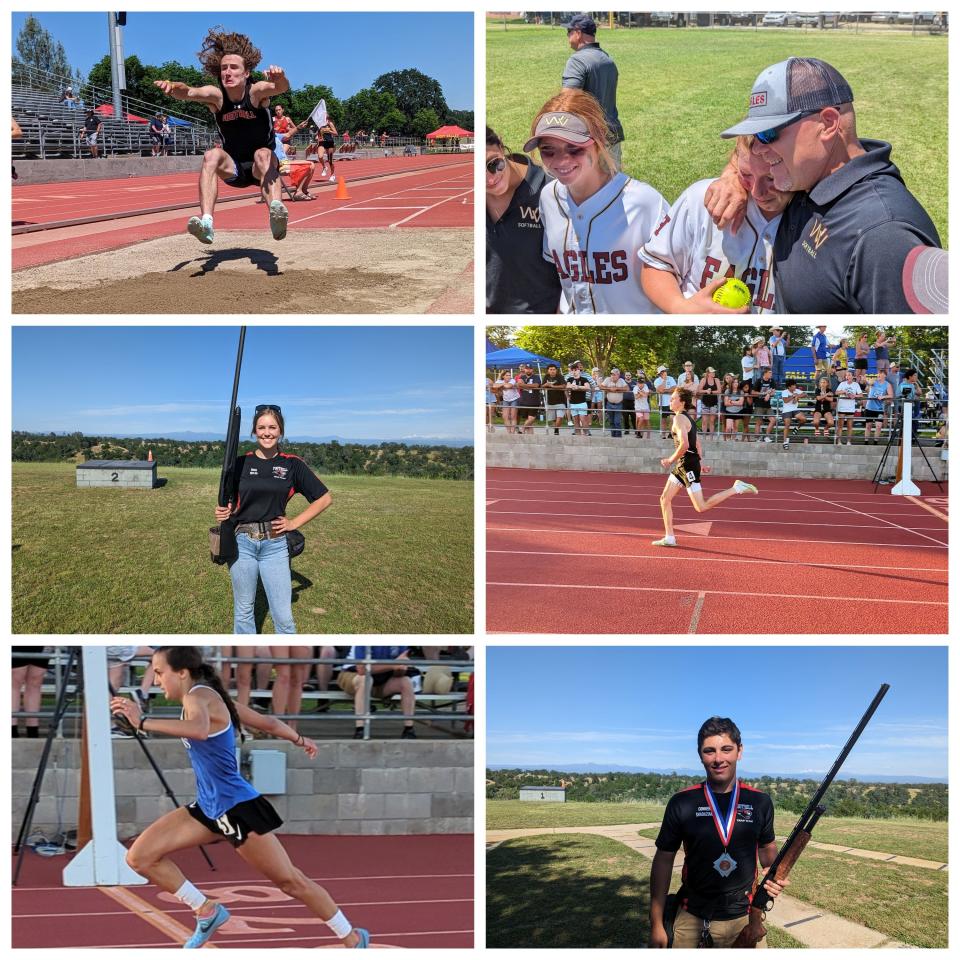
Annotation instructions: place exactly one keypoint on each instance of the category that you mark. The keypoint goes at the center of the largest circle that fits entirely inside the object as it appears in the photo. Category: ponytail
(191, 659)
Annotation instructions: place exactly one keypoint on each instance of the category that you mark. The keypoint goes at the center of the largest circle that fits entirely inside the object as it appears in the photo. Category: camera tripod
(896, 440)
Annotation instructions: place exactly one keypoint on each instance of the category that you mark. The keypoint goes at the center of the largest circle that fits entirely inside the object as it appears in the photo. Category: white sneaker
(333, 179)
(665, 542)
(741, 486)
(786, 444)
(768, 439)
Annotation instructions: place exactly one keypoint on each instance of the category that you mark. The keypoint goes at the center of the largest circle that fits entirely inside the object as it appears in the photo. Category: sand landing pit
(316, 271)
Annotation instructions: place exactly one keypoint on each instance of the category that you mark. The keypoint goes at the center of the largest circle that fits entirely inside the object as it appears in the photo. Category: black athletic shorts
(328, 143)
(244, 177)
(860, 363)
(250, 816)
(686, 471)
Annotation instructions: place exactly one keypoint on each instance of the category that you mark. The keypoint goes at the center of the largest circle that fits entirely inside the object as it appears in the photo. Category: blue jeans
(616, 418)
(268, 560)
(779, 363)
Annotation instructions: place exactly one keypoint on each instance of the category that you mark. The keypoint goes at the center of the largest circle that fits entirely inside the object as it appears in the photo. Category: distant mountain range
(745, 774)
(193, 437)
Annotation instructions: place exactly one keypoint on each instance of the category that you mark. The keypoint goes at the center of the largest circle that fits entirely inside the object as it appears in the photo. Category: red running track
(408, 891)
(570, 552)
(399, 195)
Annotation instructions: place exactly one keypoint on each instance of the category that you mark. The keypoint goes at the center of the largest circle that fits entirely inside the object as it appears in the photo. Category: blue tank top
(214, 762)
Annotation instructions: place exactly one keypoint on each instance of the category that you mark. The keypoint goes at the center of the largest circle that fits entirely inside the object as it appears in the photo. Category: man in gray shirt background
(592, 70)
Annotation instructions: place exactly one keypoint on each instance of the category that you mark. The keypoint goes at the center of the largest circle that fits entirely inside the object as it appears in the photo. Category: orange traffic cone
(341, 193)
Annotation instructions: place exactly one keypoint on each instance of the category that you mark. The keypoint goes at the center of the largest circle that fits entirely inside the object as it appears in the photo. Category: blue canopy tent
(800, 362)
(177, 122)
(514, 356)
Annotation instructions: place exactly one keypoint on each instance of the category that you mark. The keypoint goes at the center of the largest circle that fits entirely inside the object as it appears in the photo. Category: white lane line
(413, 216)
(695, 619)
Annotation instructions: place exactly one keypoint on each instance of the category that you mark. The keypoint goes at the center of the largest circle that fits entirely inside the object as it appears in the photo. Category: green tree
(412, 91)
(366, 108)
(395, 123)
(38, 49)
(462, 118)
(299, 103)
(424, 122)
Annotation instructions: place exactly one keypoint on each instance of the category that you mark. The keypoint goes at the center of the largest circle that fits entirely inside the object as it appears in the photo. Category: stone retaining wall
(108, 168)
(375, 787)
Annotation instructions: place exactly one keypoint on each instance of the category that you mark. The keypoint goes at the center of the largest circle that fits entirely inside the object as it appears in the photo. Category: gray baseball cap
(563, 126)
(785, 91)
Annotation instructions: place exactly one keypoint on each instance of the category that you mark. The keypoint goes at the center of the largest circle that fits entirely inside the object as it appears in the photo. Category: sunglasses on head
(267, 408)
(767, 137)
(496, 165)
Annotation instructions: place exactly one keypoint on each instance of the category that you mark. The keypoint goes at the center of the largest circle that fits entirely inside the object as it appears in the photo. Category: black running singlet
(243, 127)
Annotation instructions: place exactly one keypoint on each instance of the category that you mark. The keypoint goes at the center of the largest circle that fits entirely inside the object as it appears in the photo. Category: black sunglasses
(264, 407)
(496, 165)
(769, 136)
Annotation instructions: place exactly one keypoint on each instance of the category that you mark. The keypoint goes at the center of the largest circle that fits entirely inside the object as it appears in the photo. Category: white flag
(319, 115)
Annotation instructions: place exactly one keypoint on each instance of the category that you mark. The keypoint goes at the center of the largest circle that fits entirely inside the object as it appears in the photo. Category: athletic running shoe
(742, 486)
(201, 228)
(333, 178)
(408, 733)
(207, 927)
(364, 936)
(278, 219)
(665, 542)
(358, 733)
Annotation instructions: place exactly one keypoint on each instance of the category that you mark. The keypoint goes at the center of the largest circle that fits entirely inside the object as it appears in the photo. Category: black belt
(259, 531)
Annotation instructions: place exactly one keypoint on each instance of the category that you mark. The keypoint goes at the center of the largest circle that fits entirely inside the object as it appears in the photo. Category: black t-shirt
(688, 823)
(529, 398)
(555, 396)
(91, 124)
(267, 485)
(243, 127)
(580, 387)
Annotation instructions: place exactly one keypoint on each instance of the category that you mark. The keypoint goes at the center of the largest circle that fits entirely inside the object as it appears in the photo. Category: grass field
(679, 89)
(391, 555)
(516, 814)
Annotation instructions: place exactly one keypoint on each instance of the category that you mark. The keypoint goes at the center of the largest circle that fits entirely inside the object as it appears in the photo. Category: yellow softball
(733, 295)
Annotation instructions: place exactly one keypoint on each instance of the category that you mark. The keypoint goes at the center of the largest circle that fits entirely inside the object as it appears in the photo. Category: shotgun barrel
(228, 479)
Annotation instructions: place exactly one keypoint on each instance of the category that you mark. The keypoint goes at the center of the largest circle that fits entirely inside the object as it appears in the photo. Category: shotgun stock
(799, 837)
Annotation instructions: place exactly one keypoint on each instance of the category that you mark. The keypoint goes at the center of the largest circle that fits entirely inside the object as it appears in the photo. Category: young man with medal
(724, 827)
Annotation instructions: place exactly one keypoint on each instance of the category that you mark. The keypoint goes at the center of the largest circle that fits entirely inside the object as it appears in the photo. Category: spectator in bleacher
(818, 347)
(325, 672)
(747, 363)
(528, 383)
(790, 410)
(840, 362)
(746, 411)
(879, 399)
(690, 381)
(709, 392)
(242, 671)
(387, 680)
(346, 138)
(555, 398)
(241, 109)
(28, 673)
(779, 344)
(732, 403)
(848, 393)
(506, 386)
(664, 386)
(762, 405)
(641, 402)
(92, 128)
(579, 394)
(762, 359)
(862, 381)
(893, 376)
(288, 683)
(823, 407)
(167, 136)
(16, 133)
(861, 352)
(596, 398)
(614, 387)
(881, 350)
(155, 130)
(68, 99)
(438, 679)
(629, 405)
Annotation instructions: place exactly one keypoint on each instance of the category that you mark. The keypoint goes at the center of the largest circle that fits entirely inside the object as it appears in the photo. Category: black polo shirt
(519, 280)
(687, 822)
(840, 248)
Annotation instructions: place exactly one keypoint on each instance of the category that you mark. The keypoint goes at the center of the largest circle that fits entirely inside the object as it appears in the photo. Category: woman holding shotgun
(266, 481)
(227, 807)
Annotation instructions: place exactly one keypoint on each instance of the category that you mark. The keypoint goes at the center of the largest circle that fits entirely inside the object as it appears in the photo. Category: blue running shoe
(201, 228)
(278, 219)
(207, 927)
(364, 936)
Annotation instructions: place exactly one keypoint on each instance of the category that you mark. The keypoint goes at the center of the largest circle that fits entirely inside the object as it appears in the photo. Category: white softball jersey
(689, 245)
(593, 245)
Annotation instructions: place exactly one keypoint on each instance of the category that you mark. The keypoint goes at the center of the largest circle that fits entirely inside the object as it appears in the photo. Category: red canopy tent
(449, 132)
(106, 110)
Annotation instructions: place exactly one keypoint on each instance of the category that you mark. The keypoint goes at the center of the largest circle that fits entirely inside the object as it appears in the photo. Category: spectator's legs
(325, 670)
(19, 679)
(298, 676)
(404, 687)
(115, 675)
(816, 423)
(828, 423)
(281, 684)
(359, 685)
(32, 696)
(244, 674)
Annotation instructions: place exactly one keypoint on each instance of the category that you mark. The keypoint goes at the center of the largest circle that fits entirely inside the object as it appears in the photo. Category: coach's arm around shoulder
(660, 874)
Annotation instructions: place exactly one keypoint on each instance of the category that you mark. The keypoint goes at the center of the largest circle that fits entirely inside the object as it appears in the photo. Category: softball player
(687, 258)
(594, 219)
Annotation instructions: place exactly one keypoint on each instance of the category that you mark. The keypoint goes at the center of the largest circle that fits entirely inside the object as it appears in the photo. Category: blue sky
(642, 706)
(356, 382)
(345, 51)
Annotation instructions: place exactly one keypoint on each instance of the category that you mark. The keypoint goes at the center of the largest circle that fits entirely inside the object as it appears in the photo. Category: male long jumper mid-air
(241, 110)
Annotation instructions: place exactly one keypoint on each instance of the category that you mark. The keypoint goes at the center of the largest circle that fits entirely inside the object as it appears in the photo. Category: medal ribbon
(724, 829)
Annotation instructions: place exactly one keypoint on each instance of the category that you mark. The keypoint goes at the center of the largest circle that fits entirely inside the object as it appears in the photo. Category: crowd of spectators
(273, 682)
(759, 403)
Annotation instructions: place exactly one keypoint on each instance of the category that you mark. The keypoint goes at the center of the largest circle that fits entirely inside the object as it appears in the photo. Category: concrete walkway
(810, 925)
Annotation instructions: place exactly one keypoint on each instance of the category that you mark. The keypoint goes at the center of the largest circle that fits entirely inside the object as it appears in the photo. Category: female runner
(594, 219)
(268, 479)
(685, 467)
(227, 807)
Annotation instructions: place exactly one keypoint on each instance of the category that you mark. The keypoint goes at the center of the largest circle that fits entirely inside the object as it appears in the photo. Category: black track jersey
(267, 485)
(243, 127)
(688, 823)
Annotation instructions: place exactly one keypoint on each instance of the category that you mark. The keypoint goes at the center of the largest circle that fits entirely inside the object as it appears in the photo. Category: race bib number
(226, 827)
(691, 476)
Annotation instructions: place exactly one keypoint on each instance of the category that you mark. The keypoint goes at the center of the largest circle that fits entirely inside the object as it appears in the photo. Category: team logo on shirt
(239, 114)
(253, 472)
(531, 215)
(817, 237)
(280, 473)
